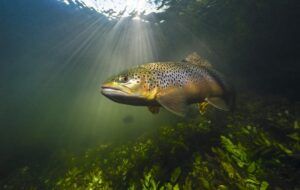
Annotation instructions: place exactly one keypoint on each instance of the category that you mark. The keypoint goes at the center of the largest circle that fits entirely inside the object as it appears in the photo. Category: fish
(172, 85)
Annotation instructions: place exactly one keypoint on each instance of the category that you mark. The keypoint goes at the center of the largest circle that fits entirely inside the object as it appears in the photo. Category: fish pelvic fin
(154, 109)
(173, 100)
(194, 58)
(202, 107)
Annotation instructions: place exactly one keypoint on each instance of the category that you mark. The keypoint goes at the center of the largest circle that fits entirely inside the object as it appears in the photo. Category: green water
(58, 132)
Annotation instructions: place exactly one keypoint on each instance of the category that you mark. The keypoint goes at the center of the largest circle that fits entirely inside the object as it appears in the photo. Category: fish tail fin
(228, 89)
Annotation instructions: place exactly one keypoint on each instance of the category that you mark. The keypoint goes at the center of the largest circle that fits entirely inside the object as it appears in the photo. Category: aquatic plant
(241, 151)
(199, 154)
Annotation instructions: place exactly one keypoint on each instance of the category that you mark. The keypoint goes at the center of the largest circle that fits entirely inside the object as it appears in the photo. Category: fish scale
(167, 74)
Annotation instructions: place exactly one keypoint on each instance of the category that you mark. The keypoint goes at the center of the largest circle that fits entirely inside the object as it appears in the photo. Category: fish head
(126, 87)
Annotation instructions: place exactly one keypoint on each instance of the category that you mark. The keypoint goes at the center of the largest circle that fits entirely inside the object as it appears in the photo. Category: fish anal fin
(202, 107)
(194, 58)
(173, 100)
(218, 102)
(154, 109)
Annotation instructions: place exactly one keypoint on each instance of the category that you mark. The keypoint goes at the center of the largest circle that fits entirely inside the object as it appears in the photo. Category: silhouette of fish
(128, 119)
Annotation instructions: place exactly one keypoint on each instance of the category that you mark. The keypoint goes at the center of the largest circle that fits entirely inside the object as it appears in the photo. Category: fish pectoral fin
(153, 109)
(173, 100)
(202, 107)
(218, 102)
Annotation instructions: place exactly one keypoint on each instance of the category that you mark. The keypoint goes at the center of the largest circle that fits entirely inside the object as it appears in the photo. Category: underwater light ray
(142, 42)
(127, 43)
(84, 39)
(77, 29)
(83, 34)
(80, 96)
(122, 44)
(132, 41)
(84, 29)
(64, 68)
(113, 42)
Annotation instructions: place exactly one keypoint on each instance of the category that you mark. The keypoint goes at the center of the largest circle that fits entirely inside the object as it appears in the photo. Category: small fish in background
(172, 85)
(128, 119)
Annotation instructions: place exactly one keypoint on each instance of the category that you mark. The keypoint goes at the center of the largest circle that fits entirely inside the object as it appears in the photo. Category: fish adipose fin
(218, 102)
(194, 58)
(173, 100)
(153, 109)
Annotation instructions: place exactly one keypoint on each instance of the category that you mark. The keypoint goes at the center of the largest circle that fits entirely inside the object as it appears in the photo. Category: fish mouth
(112, 91)
(121, 94)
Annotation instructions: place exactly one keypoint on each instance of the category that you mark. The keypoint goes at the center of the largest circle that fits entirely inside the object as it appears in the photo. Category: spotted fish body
(173, 85)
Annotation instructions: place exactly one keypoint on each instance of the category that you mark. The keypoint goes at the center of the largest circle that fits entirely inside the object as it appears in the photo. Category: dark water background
(54, 57)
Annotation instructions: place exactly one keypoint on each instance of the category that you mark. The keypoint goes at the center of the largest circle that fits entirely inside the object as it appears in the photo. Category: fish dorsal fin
(194, 58)
(173, 100)
(218, 102)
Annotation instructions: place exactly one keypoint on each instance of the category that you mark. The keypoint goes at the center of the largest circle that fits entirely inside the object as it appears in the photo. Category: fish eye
(123, 78)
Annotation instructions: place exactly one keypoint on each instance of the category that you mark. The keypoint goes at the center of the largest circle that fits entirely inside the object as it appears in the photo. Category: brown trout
(172, 85)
